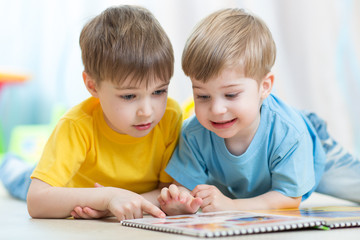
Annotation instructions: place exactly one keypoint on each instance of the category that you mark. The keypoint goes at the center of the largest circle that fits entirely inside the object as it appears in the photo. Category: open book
(226, 223)
(229, 223)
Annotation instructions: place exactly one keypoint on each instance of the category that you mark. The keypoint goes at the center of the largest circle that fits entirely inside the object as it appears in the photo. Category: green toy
(28, 141)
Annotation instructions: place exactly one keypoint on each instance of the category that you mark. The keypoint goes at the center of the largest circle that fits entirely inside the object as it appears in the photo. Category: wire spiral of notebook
(226, 223)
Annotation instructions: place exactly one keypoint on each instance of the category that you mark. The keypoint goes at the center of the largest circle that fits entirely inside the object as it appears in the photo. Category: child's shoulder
(280, 112)
(173, 111)
(84, 110)
(172, 117)
(194, 133)
(173, 106)
(192, 125)
(80, 117)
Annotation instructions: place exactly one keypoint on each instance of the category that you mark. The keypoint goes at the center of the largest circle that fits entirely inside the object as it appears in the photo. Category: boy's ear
(90, 84)
(266, 85)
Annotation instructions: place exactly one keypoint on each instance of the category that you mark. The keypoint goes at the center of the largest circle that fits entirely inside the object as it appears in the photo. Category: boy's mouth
(224, 124)
(143, 127)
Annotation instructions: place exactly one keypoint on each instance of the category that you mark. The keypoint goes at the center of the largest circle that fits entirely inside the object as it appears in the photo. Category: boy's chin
(140, 134)
(222, 133)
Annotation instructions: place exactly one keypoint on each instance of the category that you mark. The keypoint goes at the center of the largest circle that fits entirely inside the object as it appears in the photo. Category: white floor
(15, 223)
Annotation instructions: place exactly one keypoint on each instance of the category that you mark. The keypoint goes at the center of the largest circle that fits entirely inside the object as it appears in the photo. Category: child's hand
(124, 204)
(213, 199)
(89, 213)
(178, 200)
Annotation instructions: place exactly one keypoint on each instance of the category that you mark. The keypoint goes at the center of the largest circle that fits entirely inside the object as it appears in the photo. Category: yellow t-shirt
(84, 150)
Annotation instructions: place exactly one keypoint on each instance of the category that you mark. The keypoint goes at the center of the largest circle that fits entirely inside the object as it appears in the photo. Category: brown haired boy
(123, 136)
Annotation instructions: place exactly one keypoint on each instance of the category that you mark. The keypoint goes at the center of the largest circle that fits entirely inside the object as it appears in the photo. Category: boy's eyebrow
(231, 85)
(134, 87)
(126, 88)
(163, 85)
(226, 86)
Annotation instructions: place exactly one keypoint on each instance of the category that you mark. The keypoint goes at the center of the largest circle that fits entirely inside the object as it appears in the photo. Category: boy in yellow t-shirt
(123, 136)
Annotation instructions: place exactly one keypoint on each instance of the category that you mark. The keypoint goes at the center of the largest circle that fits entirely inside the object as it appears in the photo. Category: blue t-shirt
(285, 155)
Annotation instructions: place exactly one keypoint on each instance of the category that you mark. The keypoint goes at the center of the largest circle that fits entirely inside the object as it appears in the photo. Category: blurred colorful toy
(28, 141)
(8, 78)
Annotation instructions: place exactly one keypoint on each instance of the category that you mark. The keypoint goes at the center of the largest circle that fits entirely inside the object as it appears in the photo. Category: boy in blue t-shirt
(245, 148)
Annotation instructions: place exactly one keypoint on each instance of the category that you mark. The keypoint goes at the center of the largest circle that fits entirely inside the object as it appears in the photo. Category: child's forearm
(269, 200)
(45, 201)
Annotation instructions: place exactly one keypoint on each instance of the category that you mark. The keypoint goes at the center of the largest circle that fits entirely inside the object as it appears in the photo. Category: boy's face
(132, 109)
(229, 104)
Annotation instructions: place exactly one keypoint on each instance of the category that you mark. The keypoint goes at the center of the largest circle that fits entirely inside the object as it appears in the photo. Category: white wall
(317, 66)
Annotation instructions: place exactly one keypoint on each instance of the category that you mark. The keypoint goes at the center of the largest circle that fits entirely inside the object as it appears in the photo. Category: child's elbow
(295, 202)
(276, 200)
(32, 206)
(36, 202)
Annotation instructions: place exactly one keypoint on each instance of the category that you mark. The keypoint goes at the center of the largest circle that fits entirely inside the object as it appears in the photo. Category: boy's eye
(128, 97)
(160, 92)
(231, 95)
(202, 97)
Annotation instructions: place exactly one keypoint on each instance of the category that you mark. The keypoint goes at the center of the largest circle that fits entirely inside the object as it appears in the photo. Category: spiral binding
(223, 233)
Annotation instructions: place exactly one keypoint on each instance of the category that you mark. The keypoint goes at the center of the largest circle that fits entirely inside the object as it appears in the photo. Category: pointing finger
(152, 209)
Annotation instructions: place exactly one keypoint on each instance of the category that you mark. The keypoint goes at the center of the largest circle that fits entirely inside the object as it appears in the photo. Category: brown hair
(229, 38)
(126, 41)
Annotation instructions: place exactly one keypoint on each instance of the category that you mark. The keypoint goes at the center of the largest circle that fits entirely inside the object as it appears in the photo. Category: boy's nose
(217, 107)
(145, 109)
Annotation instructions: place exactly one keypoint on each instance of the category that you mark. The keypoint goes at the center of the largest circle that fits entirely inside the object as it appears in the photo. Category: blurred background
(317, 66)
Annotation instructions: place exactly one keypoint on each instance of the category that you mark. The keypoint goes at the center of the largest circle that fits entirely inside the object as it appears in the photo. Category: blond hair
(229, 38)
(126, 41)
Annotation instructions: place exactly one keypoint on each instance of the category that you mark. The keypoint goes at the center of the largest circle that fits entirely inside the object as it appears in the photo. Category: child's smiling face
(229, 104)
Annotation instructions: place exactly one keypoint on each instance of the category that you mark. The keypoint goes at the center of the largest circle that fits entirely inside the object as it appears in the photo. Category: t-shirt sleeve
(187, 165)
(63, 154)
(292, 168)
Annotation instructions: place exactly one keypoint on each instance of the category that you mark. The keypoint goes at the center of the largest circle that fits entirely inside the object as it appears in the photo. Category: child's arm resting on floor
(177, 199)
(89, 213)
(214, 200)
(45, 201)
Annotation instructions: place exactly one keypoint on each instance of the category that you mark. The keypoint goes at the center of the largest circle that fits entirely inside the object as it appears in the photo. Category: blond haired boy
(245, 148)
(120, 138)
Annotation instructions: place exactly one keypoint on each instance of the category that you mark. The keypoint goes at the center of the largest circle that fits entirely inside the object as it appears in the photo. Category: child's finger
(174, 191)
(184, 196)
(80, 213)
(201, 194)
(165, 194)
(199, 188)
(195, 204)
(205, 202)
(150, 208)
(137, 213)
(131, 213)
(98, 185)
(207, 208)
(161, 201)
(74, 214)
(94, 213)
